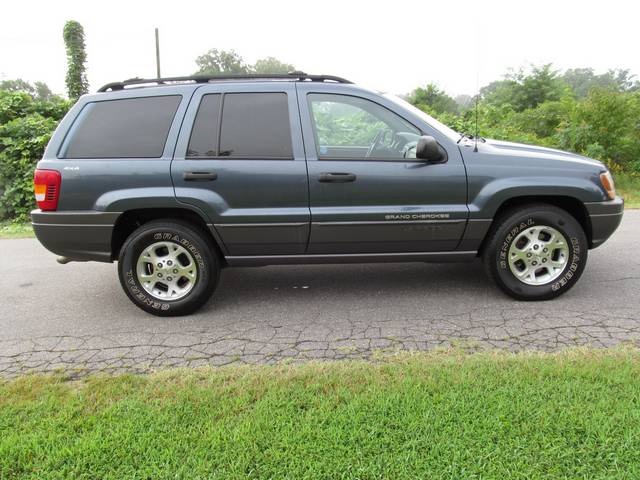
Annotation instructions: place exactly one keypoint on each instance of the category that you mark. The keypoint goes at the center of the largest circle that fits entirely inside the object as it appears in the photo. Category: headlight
(607, 183)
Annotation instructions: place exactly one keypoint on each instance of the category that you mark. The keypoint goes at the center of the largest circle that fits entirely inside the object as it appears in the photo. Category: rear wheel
(536, 252)
(168, 268)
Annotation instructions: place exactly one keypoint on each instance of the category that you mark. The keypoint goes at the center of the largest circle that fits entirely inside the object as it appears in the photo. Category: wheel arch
(570, 204)
(130, 220)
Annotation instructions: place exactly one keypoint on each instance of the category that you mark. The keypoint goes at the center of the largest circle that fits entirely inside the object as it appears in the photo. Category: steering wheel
(377, 140)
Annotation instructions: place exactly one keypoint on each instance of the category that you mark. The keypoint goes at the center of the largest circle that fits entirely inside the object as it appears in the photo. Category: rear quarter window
(123, 128)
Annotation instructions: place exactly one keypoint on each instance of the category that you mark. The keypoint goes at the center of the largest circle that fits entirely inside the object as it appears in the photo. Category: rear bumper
(605, 218)
(77, 235)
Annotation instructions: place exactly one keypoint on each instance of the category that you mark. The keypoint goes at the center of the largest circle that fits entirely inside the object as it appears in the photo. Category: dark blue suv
(176, 178)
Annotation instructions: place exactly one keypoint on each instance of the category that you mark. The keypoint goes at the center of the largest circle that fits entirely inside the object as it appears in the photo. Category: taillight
(46, 185)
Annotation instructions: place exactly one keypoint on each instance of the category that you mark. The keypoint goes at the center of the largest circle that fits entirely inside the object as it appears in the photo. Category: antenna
(475, 136)
(157, 54)
(475, 147)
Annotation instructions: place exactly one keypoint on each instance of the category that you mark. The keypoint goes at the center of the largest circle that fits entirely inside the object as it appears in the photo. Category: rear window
(125, 128)
(254, 125)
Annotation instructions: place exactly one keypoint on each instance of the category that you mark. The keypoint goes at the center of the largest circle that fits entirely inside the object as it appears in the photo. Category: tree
(39, 90)
(583, 80)
(432, 97)
(221, 62)
(271, 65)
(464, 101)
(521, 91)
(76, 79)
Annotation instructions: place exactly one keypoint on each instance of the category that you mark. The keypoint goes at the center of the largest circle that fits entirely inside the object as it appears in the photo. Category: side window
(348, 127)
(204, 135)
(124, 128)
(255, 125)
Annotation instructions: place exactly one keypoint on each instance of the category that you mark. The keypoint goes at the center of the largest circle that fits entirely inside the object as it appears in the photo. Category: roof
(293, 76)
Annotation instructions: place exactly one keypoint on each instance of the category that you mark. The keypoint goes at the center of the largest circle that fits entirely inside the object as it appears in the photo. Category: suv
(177, 178)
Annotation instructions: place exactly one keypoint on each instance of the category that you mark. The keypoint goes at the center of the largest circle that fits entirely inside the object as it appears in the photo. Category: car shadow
(350, 282)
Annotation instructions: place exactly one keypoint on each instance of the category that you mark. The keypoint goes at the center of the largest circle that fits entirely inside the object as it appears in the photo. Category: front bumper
(77, 235)
(604, 218)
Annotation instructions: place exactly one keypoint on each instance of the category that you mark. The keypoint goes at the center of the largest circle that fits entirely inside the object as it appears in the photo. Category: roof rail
(295, 76)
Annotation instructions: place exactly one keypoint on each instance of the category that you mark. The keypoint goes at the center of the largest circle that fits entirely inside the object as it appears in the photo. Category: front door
(368, 193)
(243, 165)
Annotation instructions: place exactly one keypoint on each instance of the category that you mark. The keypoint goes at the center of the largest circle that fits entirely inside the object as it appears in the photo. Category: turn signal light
(46, 186)
(607, 182)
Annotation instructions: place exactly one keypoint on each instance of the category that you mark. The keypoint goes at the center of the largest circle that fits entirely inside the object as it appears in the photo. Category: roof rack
(294, 76)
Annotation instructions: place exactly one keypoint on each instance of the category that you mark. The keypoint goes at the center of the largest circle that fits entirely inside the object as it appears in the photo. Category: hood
(512, 149)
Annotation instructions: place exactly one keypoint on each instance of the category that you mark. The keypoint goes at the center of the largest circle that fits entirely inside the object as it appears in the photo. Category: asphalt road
(75, 317)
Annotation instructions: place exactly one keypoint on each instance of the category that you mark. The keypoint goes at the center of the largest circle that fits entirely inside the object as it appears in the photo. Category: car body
(274, 188)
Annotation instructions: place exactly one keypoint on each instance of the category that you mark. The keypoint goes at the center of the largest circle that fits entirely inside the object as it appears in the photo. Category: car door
(367, 195)
(240, 160)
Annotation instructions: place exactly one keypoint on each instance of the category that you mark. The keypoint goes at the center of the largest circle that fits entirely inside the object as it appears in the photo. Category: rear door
(367, 193)
(240, 159)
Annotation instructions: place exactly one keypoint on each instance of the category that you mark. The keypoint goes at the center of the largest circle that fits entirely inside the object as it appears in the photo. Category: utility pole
(157, 53)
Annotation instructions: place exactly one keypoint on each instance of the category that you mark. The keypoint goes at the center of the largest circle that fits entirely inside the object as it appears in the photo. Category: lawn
(442, 415)
(15, 230)
(629, 188)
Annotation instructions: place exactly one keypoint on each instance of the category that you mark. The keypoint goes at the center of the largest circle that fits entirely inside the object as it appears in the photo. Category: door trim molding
(261, 260)
(390, 222)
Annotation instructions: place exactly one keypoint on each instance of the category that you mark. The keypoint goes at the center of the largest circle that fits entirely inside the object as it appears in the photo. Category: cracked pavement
(76, 318)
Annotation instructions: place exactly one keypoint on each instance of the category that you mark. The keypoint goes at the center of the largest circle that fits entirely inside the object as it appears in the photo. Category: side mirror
(429, 150)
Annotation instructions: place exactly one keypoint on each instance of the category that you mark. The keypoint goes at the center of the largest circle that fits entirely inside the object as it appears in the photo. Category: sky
(391, 46)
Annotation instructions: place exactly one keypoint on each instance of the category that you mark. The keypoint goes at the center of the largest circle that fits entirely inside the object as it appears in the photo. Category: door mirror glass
(429, 150)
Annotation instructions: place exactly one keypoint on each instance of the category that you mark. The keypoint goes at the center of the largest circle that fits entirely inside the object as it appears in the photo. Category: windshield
(441, 127)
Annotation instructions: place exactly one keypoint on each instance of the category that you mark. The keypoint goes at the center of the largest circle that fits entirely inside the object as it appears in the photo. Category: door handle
(335, 177)
(199, 176)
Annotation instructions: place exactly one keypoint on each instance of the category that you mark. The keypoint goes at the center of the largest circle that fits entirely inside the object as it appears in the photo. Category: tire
(151, 255)
(536, 252)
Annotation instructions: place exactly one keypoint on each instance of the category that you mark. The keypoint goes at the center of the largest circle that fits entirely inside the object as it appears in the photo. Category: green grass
(15, 230)
(443, 415)
(628, 187)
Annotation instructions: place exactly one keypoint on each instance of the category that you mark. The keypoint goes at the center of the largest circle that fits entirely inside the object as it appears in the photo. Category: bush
(22, 142)
(26, 124)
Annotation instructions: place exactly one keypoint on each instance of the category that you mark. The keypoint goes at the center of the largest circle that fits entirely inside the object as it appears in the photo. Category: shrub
(22, 142)
(26, 124)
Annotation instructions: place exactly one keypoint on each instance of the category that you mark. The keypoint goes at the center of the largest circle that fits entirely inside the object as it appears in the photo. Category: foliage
(433, 98)
(594, 115)
(583, 80)
(437, 415)
(76, 79)
(16, 230)
(217, 62)
(26, 124)
(339, 124)
(521, 91)
(228, 62)
(22, 141)
(271, 65)
(38, 90)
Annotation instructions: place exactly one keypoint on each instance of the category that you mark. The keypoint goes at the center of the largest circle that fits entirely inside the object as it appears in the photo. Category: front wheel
(168, 268)
(536, 252)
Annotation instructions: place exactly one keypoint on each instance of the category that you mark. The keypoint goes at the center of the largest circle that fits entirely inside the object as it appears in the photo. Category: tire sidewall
(567, 226)
(186, 238)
